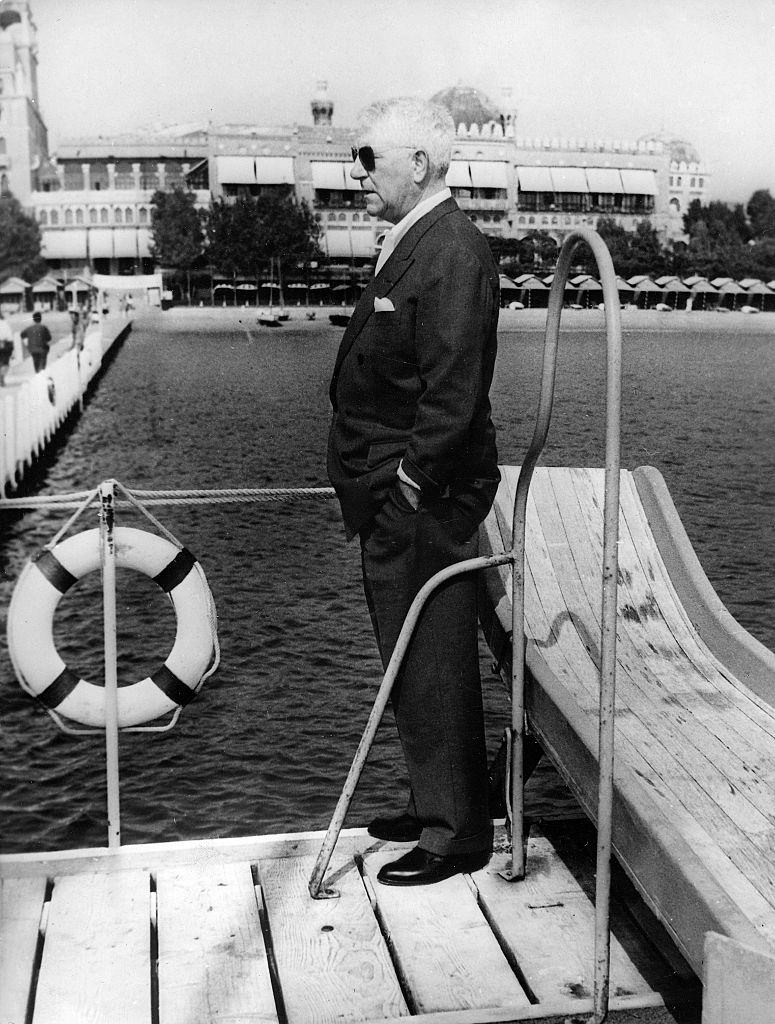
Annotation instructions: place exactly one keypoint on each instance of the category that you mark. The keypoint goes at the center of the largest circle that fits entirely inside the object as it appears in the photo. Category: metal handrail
(516, 556)
(610, 587)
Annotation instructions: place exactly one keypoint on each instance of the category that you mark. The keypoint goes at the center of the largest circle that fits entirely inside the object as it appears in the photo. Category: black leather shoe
(419, 867)
(402, 828)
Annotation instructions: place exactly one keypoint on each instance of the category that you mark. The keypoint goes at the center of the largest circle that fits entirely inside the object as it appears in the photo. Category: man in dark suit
(413, 460)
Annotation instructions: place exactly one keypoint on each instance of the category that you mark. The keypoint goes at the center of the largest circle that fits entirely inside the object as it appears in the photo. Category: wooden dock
(694, 815)
(188, 933)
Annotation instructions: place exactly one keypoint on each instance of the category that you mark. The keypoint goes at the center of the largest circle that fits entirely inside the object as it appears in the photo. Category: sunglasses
(367, 158)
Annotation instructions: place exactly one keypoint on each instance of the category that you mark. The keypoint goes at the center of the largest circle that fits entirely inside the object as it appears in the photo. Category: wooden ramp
(192, 933)
(694, 819)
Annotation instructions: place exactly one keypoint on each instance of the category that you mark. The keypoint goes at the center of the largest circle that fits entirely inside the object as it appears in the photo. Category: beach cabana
(637, 279)
(224, 293)
(77, 290)
(647, 293)
(760, 296)
(533, 293)
(676, 293)
(749, 282)
(719, 282)
(704, 295)
(13, 295)
(44, 293)
(589, 292)
(509, 289)
(729, 292)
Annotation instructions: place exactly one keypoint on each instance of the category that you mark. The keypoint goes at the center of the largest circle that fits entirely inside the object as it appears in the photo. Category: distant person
(6, 348)
(75, 318)
(37, 337)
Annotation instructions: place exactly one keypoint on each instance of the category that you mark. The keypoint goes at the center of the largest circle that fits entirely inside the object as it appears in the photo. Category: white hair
(411, 121)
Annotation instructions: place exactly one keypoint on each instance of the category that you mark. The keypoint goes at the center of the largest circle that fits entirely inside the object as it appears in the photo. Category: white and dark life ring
(45, 580)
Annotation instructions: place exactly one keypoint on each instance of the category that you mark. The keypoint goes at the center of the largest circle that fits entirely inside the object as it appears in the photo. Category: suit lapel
(388, 277)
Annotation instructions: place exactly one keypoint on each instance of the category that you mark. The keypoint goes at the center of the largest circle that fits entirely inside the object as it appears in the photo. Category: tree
(232, 238)
(270, 230)
(19, 242)
(287, 232)
(761, 213)
(176, 229)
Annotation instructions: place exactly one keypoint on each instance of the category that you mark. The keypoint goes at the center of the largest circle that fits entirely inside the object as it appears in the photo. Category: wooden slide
(694, 804)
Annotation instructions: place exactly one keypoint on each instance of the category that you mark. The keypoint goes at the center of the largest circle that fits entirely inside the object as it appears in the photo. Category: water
(195, 401)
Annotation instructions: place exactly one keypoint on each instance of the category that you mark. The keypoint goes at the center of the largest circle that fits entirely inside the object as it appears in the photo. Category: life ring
(43, 583)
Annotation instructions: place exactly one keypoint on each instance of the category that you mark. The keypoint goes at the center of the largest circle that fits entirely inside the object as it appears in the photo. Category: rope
(248, 495)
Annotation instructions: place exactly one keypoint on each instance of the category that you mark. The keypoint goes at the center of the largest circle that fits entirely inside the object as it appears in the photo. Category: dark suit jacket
(413, 383)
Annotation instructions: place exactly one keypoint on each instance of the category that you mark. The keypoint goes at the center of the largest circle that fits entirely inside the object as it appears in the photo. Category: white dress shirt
(397, 232)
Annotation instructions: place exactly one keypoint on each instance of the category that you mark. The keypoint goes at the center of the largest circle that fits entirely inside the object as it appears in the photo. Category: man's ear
(421, 166)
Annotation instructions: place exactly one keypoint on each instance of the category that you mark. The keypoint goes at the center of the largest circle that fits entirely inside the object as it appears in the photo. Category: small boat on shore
(339, 319)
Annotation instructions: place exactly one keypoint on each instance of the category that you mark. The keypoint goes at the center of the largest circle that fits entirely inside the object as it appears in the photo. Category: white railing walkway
(34, 405)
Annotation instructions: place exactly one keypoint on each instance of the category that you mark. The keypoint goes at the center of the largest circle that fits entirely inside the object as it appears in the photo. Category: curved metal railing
(610, 586)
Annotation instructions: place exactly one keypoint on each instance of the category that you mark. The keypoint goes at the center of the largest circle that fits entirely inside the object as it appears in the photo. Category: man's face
(390, 188)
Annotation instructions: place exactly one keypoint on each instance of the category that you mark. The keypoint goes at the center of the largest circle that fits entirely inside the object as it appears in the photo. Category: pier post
(108, 560)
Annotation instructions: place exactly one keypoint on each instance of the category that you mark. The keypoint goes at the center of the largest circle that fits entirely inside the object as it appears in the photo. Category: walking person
(412, 457)
(6, 348)
(38, 340)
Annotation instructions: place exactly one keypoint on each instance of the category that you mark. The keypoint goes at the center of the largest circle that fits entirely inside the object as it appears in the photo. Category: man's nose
(357, 171)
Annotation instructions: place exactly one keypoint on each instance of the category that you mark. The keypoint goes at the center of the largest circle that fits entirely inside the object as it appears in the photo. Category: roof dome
(467, 105)
(679, 149)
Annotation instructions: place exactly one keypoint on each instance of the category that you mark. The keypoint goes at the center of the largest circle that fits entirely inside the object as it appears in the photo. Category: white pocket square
(383, 306)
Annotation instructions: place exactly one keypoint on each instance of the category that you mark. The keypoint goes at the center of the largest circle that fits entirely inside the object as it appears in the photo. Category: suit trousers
(437, 697)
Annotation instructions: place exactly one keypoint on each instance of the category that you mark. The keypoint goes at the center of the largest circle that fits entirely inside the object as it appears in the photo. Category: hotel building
(92, 198)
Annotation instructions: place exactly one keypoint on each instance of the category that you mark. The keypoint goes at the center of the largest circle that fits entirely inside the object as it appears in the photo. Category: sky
(702, 70)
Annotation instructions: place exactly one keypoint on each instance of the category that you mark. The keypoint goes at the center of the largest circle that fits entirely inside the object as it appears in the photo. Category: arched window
(4, 186)
(104, 215)
(43, 217)
(3, 150)
(356, 218)
(143, 215)
(79, 216)
(342, 216)
(55, 217)
(129, 216)
(92, 215)
(68, 216)
(118, 217)
(521, 220)
(679, 181)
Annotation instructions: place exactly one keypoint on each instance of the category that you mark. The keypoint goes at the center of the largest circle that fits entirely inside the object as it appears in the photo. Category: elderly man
(413, 460)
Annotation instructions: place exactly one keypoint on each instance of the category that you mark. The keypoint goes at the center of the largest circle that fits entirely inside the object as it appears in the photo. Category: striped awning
(639, 183)
(100, 243)
(67, 244)
(125, 242)
(328, 174)
(275, 170)
(458, 175)
(488, 174)
(605, 180)
(569, 179)
(535, 179)
(236, 170)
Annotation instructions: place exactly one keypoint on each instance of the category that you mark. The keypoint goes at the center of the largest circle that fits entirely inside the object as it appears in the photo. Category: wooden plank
(332, 962)
(152, 856)
(548, 922)
(21, 904)
(212, 959)
(96, 957)
(739, 983)
(446, 953)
